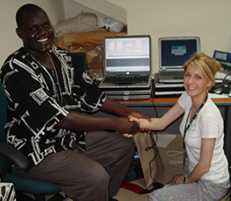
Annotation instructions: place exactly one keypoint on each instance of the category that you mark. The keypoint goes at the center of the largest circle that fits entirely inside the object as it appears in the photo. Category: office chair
(10, 157)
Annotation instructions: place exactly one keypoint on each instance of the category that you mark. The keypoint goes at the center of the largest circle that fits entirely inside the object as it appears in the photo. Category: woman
(202, 131)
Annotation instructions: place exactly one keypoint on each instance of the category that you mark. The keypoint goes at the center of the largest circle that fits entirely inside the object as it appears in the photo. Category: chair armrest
(14, 155)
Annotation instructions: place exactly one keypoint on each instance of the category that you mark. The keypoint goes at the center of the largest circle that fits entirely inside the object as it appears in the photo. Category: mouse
(218, 90)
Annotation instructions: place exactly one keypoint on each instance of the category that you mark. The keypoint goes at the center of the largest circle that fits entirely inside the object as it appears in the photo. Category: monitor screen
(127, 54)
(175, 51)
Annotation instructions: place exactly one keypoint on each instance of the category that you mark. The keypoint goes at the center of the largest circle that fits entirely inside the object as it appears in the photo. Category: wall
(73, 8)
(208, 19)
(9, 39)
(99, 7)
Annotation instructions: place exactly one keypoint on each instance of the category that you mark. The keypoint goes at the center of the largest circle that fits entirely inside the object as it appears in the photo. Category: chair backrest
(4, 163)
(3, 106)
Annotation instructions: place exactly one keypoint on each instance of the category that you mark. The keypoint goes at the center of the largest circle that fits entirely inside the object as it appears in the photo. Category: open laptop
(127, 62)
(174, 52)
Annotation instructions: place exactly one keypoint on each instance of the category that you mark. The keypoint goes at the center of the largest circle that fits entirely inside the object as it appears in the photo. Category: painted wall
(9, 40)
(99, 7)
(72, 8)
(208, 19)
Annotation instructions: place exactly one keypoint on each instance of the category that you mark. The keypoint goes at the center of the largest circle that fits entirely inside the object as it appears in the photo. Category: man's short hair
(26, 11)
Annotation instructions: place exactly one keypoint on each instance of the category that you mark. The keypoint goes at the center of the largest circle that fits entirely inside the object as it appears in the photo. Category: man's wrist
(134, 127)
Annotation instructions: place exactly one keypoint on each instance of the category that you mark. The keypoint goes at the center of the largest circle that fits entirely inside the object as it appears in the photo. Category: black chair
(11, 159)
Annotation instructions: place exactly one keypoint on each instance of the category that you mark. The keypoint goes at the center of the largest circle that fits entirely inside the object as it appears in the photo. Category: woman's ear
(210, 84)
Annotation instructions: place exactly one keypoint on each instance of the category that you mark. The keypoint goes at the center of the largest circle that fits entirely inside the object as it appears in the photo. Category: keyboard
(177, 76)
(126, 80)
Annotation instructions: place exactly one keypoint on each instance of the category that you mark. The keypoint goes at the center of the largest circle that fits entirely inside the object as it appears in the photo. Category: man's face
(36, 32)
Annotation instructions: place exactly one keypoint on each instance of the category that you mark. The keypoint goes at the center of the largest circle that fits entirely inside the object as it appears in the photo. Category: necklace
(187, 125)
(55, 77)
(52, 73)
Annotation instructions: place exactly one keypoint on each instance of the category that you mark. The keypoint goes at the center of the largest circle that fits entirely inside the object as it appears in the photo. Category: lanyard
(188, 124)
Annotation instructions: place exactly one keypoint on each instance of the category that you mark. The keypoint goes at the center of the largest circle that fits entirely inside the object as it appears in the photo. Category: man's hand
(126, 126)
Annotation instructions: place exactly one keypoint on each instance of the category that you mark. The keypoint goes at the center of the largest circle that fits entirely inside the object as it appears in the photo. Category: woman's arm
(206, 154)
(160, 123)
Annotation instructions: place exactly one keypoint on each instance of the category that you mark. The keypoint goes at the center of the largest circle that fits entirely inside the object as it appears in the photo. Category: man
(48, 120)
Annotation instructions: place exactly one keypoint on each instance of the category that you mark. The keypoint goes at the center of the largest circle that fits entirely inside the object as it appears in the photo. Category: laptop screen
(127, 54)
(174, 51)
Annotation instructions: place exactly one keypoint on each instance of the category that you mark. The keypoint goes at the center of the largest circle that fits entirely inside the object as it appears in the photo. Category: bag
(160, 161)
(150, 160)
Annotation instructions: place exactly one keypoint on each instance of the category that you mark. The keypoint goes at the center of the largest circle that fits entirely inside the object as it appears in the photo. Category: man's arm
(116, 108)
(84, 122)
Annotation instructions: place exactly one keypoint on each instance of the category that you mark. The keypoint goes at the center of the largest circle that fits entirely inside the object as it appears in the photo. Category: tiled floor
(127, 195)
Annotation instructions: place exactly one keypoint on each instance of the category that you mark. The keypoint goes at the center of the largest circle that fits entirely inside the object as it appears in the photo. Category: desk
(155, 107)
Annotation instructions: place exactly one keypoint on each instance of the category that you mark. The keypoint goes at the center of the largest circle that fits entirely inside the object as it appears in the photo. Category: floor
(127, 195)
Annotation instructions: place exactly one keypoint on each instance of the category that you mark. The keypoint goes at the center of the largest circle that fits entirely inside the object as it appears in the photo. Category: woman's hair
(207, 65)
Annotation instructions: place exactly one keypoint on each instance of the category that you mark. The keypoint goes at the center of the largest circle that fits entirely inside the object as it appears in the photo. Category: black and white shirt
(38, 99)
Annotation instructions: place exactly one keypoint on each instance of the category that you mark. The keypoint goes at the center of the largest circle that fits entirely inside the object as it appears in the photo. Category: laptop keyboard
(171, 75)
(126, 80)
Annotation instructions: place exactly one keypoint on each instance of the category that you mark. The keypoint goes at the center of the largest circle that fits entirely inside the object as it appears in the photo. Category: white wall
(208, 19)
(99, 7)
(9, 40)
(72, 8)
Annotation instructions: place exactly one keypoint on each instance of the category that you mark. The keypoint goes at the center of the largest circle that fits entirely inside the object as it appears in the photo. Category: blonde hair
(207, 65)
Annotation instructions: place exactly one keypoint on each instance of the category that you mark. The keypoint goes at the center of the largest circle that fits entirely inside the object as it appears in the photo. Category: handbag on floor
(150, 160)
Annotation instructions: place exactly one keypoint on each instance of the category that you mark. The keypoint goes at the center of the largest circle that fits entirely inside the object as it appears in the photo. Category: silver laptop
(173, 52)
(127, 62)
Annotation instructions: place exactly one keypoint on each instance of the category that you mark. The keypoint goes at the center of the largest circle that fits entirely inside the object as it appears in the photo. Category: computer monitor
(224, 58)
(174, 51)
(127, 54)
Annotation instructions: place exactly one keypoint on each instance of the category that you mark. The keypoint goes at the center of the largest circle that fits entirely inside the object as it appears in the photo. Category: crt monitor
(127, 54)
(174, 51)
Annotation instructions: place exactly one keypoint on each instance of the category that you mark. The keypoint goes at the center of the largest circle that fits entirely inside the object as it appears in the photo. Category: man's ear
(19, 33)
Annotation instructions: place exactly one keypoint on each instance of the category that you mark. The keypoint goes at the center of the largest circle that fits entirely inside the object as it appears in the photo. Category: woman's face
(196, 83)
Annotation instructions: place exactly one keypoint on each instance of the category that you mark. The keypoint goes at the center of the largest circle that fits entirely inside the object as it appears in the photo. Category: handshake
(133, 124)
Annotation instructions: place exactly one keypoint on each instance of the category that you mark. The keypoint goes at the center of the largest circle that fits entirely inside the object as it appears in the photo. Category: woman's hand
(180, 179)
(136, 115)
(143, 123)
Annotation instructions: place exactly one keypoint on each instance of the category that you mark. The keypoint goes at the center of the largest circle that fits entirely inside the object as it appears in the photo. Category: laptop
(173, 53)
(127, 62)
